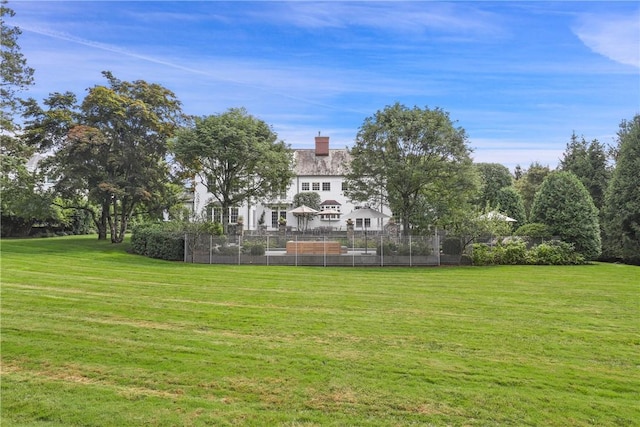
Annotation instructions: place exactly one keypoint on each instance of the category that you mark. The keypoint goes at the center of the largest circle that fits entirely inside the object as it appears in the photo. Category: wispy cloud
(401, 17)
(615, 36)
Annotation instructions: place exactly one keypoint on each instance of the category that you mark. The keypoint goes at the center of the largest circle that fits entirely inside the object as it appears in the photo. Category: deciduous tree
(310, 199)
(22, 202)
(493, 177)
(236, 156)
(406, 158)
(109, 151)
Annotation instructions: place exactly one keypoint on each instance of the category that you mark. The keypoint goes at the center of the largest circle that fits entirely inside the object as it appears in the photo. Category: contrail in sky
(115, 49)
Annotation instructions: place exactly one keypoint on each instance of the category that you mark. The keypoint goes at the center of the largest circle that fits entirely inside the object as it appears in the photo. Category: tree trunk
(102, 223)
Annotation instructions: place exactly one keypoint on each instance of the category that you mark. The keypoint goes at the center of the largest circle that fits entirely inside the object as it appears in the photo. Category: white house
(321, 170)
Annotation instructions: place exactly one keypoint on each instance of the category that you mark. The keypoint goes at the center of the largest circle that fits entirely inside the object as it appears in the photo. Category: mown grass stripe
(92, 335)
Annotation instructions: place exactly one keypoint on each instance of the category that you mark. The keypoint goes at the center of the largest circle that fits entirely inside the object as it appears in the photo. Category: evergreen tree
(622, 202)
(509, 202)
(588, 161)
(529, 183)
(565, 206)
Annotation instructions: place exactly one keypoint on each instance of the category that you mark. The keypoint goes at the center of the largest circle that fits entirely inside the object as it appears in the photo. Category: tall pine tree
(622, 203)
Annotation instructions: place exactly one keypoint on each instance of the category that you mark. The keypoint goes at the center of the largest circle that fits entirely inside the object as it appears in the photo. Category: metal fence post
(324, 246)
(185, 247)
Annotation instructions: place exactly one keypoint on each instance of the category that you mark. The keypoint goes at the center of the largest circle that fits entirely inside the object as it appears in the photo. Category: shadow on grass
(67, 245)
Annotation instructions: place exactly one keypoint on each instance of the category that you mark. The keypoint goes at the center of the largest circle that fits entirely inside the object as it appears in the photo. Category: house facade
(321, 170)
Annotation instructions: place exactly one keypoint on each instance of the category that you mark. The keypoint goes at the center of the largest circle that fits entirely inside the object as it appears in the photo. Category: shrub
(554, 253)
(481, 254)
(253, 248)
(165, 245)
(158, 241)
(139, 236)
(515, 252)
(535, 230)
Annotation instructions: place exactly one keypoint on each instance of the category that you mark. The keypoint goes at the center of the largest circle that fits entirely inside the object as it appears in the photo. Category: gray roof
(308, 164)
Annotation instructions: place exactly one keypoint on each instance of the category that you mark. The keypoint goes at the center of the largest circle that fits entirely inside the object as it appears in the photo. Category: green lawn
(94, 336)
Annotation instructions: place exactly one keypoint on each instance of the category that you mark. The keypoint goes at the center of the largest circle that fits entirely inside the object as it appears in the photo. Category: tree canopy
(509, 202)
(412, 160)
(237, 156)
(622, 204)
(588, 161)
(493, 178)
(15, 75)
(109, 151)
(310, 199)
(565, 206)
(24, 200)
(530, 182)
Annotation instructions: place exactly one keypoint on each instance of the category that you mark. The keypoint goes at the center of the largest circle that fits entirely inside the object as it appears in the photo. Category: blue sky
(519, 77)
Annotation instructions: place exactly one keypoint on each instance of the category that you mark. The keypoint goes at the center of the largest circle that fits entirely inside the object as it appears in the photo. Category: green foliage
(417, 248)
(588, 161)
(534, 229)
(554, 253)
(166, 245)
(565, 206)
(509, 202)
(529, 183)
(515, 252)
(310, 199)
(15, 75)
(160, 240)
(622, 206)
(110, 149)
(237, 156)
(307, 198)
(493, 178)
(253, 248)
(408, 157)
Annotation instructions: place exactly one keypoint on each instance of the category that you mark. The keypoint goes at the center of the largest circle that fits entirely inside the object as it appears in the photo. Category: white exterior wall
(331, 171)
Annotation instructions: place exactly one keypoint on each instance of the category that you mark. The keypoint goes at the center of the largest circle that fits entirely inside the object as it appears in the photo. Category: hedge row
(158, 241)
(516, 252)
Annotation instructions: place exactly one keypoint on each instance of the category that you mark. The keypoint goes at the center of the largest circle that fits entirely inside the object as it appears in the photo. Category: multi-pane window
(305, 186)
(216, 215)
(315, 186)
(367, 222)
(233, 215)
(345, 187)
(329, 216)
(276, 215)
(326, 186)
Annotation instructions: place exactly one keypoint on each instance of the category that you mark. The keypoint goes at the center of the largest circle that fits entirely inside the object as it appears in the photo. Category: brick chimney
(322, 145)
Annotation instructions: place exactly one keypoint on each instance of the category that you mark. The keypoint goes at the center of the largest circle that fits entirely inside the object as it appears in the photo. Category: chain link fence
(336, 249)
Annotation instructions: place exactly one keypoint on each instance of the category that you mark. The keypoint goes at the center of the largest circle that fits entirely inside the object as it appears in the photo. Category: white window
(216, 215)
(326, 186)
(367, 223)
(276, 215)
(305, 186)
(315, 186)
